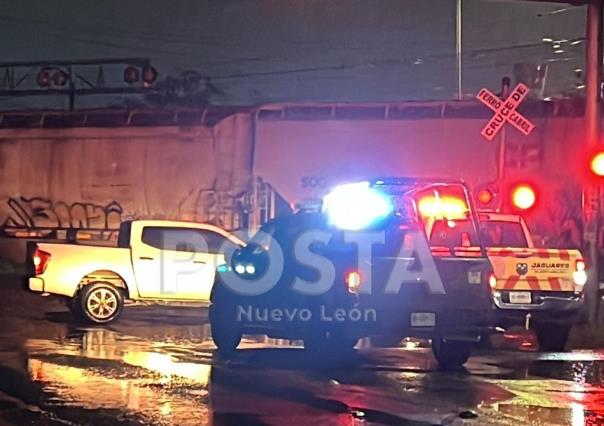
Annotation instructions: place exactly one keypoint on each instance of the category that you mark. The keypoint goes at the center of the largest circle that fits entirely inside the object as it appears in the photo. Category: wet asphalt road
(158, 366)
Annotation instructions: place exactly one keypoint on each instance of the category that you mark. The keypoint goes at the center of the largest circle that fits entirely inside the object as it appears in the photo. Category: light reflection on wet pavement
(144, 371)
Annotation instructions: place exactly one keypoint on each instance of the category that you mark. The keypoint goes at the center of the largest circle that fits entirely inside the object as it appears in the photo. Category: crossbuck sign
(505, 111)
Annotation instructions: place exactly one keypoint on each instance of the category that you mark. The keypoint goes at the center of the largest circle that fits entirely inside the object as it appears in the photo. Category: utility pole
(458, 51)
(591, 190)
(505, 92)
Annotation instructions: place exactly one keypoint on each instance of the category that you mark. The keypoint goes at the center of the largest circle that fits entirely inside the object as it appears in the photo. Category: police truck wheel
(552, 337)
(326, 344)
(386, 341)
(451, 355)
(100, 303)
(225, 335)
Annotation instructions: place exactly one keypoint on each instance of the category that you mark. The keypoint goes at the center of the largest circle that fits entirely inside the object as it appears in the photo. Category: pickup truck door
(177, 263)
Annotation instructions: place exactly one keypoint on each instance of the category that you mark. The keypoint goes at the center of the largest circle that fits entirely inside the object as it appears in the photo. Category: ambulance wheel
(551, 337)
(451, 355)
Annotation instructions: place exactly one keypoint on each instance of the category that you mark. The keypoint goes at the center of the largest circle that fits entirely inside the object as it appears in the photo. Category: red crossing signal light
(596, 164)
(523, 196)
(487, 196)
(484, 196)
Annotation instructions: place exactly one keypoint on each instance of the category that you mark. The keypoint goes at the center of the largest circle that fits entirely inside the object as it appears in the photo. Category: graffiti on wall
(228, 209)
(42, 213)
(222, 208)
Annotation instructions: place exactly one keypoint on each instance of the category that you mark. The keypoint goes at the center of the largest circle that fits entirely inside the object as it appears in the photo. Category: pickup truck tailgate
(534, 269)
(464, 303)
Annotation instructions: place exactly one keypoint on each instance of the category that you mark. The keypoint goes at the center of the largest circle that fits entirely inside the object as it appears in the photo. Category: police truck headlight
(244, 269)
(356, 206)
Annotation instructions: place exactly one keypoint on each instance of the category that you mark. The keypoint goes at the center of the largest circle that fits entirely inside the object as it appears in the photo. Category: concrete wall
(315, 154)
(318, 154)
(94, 178)
(334, 150)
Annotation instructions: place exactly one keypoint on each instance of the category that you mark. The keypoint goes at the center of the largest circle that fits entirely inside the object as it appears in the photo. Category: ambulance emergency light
(355, 206)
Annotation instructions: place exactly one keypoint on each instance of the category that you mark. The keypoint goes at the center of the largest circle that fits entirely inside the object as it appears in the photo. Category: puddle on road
(574, 415)
(155, 399)
(167, 381)
(578, 366)
(551, 388)
(101, 369)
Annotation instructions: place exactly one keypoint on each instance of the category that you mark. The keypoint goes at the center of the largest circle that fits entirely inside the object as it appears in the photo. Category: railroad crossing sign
(505, 111)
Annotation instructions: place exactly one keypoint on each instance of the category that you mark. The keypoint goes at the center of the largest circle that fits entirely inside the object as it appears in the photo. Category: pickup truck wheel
(551, 337)
(224, 333)
(451, 355)
(100, 302)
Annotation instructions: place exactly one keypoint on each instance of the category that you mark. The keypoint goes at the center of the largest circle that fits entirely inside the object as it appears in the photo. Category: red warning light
(131, 74)
(523, 197)
(487, 196)
(597, 164)
(43, 78)
(484, 196)
(149, 74)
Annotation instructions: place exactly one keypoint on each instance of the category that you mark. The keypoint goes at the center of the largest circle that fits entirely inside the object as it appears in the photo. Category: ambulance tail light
(579, 275)
(40, 259)
(353, 282)
(492, 281)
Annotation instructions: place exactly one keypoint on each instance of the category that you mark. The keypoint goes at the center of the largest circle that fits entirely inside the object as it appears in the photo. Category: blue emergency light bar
(356, 206)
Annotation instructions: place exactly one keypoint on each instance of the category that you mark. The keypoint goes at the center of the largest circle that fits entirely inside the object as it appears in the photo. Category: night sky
(258, 51)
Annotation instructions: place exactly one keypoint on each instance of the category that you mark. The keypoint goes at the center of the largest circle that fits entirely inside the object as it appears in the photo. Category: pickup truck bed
(71, 264)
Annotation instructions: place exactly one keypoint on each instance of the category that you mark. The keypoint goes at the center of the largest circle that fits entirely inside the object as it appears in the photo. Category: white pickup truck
(155, 260)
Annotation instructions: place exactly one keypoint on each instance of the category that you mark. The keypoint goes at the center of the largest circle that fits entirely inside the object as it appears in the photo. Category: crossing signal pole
(592, 188)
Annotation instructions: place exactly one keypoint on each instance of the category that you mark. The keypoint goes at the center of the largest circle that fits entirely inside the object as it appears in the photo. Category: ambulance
(537, 287)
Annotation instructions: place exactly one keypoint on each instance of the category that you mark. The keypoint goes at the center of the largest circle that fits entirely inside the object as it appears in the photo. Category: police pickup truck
(361, 267)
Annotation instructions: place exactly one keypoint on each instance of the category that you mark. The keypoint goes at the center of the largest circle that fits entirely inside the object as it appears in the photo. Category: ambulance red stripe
(564, 255)
(533, 283)
(510, 283)
(543, 254)
(555, 283)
